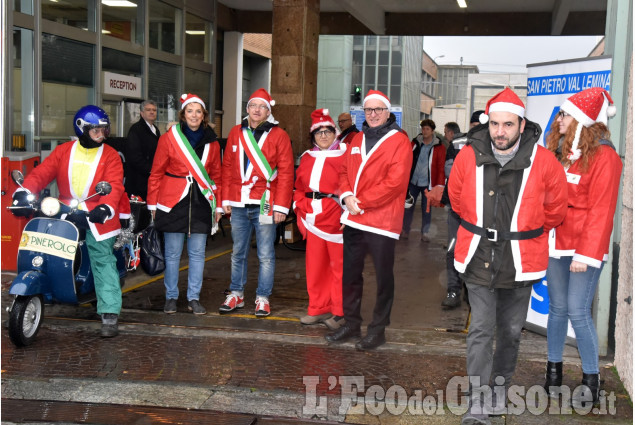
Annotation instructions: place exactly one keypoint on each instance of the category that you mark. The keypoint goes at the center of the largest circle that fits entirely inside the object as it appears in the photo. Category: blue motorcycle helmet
(88, 117)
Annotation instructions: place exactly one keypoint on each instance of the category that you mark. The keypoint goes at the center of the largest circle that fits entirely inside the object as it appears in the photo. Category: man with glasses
(348, 128)
(257, 187)
(373, 183)
(143, 138)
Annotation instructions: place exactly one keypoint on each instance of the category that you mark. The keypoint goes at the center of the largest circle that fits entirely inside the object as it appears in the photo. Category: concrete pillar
(232, 80)
(294, 54)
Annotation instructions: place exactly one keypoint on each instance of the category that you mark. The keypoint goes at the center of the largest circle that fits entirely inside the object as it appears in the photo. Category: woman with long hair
(183, 197)
(580, 140)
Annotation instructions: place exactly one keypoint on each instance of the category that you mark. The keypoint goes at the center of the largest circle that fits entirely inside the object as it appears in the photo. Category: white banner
(548, 86)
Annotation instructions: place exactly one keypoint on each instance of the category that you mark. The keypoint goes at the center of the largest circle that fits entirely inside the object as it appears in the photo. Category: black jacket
(139, 153)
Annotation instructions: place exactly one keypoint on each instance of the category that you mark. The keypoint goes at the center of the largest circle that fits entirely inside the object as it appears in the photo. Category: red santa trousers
(324, 267)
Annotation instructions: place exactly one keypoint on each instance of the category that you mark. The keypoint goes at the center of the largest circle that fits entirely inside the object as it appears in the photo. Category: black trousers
(357, 243)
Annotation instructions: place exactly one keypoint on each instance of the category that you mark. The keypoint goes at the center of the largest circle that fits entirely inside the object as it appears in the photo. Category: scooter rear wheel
(25, 319)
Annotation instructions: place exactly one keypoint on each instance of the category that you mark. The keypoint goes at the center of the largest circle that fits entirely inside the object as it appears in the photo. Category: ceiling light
(461, 3)
(194, 32)
(118, 3)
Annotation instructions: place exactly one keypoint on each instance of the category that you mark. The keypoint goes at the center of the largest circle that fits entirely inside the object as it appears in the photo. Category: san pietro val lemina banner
(548, 86)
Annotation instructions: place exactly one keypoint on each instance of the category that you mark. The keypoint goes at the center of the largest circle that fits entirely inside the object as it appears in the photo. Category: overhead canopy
(431, 17)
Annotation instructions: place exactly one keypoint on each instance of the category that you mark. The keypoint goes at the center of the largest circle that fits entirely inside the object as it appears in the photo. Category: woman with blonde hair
(579, 139)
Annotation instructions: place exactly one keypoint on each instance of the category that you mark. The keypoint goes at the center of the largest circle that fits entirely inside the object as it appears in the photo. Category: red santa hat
(189, 98)
(321, 118)
(504, 101)
(262, 94)
(588, 107)
(376, 94)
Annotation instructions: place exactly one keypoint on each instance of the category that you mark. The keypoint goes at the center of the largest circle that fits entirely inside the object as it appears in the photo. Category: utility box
(292, 233)
(11, 225)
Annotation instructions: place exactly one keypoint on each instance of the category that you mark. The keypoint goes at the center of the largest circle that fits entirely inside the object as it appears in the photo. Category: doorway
(123, 113)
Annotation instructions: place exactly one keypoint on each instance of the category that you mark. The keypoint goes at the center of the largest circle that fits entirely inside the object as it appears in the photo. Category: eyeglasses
(341, 121)
(254, 107)
(323, 133)
(562, 114)
(369, 111)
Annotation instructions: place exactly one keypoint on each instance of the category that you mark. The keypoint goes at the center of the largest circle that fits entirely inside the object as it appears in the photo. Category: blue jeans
(245, 220)
(196, 255)
(408, 215)
(570, 297)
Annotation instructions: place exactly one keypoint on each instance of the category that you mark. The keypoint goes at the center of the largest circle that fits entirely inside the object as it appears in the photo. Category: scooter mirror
(103, 188)
(17, 177)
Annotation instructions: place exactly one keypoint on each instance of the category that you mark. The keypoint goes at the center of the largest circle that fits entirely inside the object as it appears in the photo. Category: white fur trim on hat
(575, 152)
(192, 98)
(377, 97)
(507, 107)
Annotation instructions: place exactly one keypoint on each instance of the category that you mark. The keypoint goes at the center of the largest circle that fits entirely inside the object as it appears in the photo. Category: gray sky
(506, 54)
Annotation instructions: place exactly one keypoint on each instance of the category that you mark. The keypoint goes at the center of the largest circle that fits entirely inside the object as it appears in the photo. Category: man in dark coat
(143, 137)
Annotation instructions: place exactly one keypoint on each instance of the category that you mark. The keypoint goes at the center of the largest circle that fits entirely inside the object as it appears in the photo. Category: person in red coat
(257, 191)
(78, 166)
(579, 139)
(509, 192)
(427, 174)
(317, 207)
(183, 197)
(373, 185)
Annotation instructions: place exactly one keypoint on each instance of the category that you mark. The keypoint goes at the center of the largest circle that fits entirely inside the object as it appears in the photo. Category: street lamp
(437, 57)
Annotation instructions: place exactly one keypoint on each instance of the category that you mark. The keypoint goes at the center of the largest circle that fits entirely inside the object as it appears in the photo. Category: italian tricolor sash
(257, 158)
(194, 165)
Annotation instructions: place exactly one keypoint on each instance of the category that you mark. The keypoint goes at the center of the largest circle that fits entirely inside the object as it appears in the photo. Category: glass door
(114, 109)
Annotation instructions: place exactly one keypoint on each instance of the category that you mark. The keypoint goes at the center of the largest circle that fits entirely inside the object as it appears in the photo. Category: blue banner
(567, 83)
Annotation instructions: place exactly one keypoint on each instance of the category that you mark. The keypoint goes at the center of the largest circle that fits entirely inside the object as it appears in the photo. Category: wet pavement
(238, 369)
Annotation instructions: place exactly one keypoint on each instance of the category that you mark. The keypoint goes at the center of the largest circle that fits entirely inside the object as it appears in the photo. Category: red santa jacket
(379, 179)
(586, 230)
(107, 167)
(167, 185)
(540, 203)
(245, 187)
(319, 172)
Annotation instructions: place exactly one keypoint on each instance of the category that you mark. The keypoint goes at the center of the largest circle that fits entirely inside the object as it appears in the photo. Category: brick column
(294, 52)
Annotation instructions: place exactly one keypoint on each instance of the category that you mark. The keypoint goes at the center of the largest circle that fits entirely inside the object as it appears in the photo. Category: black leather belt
(498, 235)
(175, 176)
(319, 195)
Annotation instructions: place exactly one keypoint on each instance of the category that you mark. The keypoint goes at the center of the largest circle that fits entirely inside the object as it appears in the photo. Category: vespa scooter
(53, 263)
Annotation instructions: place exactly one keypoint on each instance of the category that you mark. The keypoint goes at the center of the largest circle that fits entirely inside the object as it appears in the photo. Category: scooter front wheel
(25, 319)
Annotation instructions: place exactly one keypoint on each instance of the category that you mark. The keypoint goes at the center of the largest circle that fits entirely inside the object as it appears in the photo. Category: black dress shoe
(371, 341)
(343, 334)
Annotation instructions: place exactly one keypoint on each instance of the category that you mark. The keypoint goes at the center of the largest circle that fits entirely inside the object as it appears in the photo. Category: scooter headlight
(37, 261)
(50, 206)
